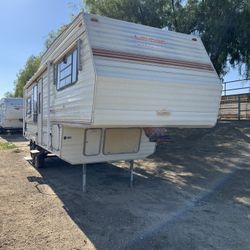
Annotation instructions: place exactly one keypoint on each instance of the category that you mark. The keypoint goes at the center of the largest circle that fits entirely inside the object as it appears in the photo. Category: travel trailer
(104, 85)
(11, 114)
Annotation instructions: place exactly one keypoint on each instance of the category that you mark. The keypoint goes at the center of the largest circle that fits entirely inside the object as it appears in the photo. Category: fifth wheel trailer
(11, 114)
(104, 82)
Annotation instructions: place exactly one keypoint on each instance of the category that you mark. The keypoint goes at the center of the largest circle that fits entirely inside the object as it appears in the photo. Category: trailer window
(66, 70)
(39, 103)
(35, 104)
(28, 106)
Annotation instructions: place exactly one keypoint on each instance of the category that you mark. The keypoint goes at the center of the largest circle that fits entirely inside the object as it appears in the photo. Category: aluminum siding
(74, 103)
(135, 93)
(11, 112)
(72, 150)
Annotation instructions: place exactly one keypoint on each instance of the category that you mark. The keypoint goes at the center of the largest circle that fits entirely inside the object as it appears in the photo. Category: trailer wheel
(39, 160)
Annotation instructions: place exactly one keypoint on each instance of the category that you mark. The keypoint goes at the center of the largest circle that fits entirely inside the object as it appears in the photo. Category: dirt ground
(193, 193)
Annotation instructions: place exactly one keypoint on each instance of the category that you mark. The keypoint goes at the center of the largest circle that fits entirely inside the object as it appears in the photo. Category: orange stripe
(151, 59)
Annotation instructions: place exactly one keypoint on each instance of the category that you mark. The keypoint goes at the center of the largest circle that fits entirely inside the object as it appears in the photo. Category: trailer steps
(34, 151)
(27, 158)
(51, 155)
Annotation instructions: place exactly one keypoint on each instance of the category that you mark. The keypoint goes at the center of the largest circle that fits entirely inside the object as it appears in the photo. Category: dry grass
(6, 145)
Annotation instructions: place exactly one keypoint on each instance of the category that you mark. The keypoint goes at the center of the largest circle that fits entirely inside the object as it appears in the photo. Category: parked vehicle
(102, 81)
(11, 114)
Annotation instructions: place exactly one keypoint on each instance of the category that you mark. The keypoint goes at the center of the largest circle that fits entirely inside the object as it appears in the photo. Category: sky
(24, 26)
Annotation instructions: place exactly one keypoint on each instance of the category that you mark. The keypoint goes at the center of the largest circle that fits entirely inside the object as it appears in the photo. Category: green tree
(52, 35)
(155, 13)
(25, 74)
(32, 64)
(222, 26)
(9, 94)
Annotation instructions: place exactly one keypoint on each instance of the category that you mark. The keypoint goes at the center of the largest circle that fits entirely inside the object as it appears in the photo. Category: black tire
(32, 147)
(39, 160)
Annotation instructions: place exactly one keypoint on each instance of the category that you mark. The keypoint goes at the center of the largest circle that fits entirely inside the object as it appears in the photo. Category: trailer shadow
(110, 213)
(13, 137)
(174, 181)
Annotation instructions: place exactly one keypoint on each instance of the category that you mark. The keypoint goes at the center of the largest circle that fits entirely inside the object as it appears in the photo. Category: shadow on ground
(13, 137)
(178, 195)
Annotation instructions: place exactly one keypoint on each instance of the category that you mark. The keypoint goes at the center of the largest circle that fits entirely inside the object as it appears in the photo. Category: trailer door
(92, 141)
(40, 112)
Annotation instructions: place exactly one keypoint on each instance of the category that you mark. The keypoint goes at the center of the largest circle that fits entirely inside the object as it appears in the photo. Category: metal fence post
(238, 107)
(131, 168)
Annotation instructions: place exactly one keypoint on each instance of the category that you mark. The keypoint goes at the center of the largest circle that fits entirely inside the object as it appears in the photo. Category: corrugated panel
(190, 98)
(74, 103)
(148, 71)
(32, 129)
(72, 150)
(62, 43)
(11, 112)
(153, 92)
(11, 124)
(44, 109)
(128, 37)
(14, 102)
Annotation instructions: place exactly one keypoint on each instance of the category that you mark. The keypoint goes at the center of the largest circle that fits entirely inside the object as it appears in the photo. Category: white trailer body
(11, 113)
(103, 80)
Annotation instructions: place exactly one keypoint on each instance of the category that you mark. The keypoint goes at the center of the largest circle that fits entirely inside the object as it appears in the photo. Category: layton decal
(149, 42)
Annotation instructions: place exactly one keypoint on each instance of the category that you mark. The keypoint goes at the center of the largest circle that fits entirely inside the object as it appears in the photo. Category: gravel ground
(194, 193)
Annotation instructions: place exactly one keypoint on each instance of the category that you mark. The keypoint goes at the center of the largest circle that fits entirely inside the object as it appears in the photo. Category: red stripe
(151, 59)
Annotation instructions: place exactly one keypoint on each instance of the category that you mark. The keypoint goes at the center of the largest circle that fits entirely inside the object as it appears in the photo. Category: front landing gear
(84, 174)
(84, 178)
(37, 154)
(39, 160)
(131, 168)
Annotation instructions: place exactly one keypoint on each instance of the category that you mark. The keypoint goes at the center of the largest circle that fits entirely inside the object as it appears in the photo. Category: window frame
(28, 106)
(35, 105)
(39, 102)
(56, 65)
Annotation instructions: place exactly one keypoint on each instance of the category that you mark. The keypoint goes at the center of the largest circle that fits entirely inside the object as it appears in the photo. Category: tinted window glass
(67, 70)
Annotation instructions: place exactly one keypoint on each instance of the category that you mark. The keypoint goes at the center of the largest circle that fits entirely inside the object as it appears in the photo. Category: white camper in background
(11, 114)
(102, 81)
